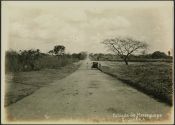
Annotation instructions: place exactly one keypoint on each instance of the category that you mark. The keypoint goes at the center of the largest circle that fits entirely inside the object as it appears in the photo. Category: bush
(158, 55)
(80, 56)
(12, 61)
(54, 62)
(138, 58)
(30, 60)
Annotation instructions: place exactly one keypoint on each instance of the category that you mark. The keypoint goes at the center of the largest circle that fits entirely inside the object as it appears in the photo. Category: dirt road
(89, 96)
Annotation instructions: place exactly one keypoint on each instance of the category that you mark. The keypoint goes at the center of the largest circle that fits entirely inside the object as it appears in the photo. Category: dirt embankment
(21, 84)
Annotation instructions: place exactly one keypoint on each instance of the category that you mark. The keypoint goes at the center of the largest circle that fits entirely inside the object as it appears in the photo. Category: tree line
(157, 55)
(125, 48)
(34, 59)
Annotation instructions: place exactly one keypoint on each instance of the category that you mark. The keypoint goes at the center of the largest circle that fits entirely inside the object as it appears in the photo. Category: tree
(158, 55)
(59, 50)
(51, 52)
(28, 58)
(124, 47)
(82, 55)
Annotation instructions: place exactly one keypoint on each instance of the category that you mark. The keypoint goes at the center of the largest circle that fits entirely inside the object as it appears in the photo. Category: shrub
(12, 61)
(158, 55)
(30, 60)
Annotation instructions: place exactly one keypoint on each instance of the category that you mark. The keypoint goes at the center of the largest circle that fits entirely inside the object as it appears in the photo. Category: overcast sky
(81, 26)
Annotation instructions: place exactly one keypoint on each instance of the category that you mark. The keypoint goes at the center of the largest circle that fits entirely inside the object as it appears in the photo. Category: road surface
(86, 96)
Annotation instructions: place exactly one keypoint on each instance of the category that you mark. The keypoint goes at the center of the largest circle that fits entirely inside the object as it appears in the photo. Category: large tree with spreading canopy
(124, 47)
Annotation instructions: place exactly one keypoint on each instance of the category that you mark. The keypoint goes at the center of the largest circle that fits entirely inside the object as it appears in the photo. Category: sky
(81, 26)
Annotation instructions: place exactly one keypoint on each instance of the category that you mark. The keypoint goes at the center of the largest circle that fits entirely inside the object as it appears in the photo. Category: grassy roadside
(152, 78)
(21, 84)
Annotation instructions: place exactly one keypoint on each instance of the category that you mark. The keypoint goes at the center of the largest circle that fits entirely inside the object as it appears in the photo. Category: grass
(152, 78)
(21, 84)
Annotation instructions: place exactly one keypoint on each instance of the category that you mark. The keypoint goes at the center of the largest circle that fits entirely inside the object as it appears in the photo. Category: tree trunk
(126, 61)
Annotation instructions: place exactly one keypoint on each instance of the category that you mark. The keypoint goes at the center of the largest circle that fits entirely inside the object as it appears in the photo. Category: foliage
(12, 62)
(158, 55)
(30, 60)
(131, 58)
(59, 50)
(51, 52)
(22, 61)
(124, 47)
(80, 56)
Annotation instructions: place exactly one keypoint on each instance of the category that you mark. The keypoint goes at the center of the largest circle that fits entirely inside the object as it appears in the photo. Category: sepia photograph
(87, 62)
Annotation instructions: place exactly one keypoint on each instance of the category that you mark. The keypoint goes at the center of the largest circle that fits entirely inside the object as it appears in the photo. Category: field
(152, 78)
(21, 84)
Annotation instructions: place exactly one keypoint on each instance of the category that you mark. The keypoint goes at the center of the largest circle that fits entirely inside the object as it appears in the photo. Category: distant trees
(80, 56)
(33, 59)
(30, 60)
(155, 56)
(158, 55)
(59, 50)
(102, 56)
(124, 47)
(51, 52)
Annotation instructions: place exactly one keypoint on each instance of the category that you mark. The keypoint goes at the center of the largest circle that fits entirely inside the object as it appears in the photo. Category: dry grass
(21, 84)
(152, 78)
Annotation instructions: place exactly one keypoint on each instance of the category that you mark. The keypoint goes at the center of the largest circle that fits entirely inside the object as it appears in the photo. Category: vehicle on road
(94, 65)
